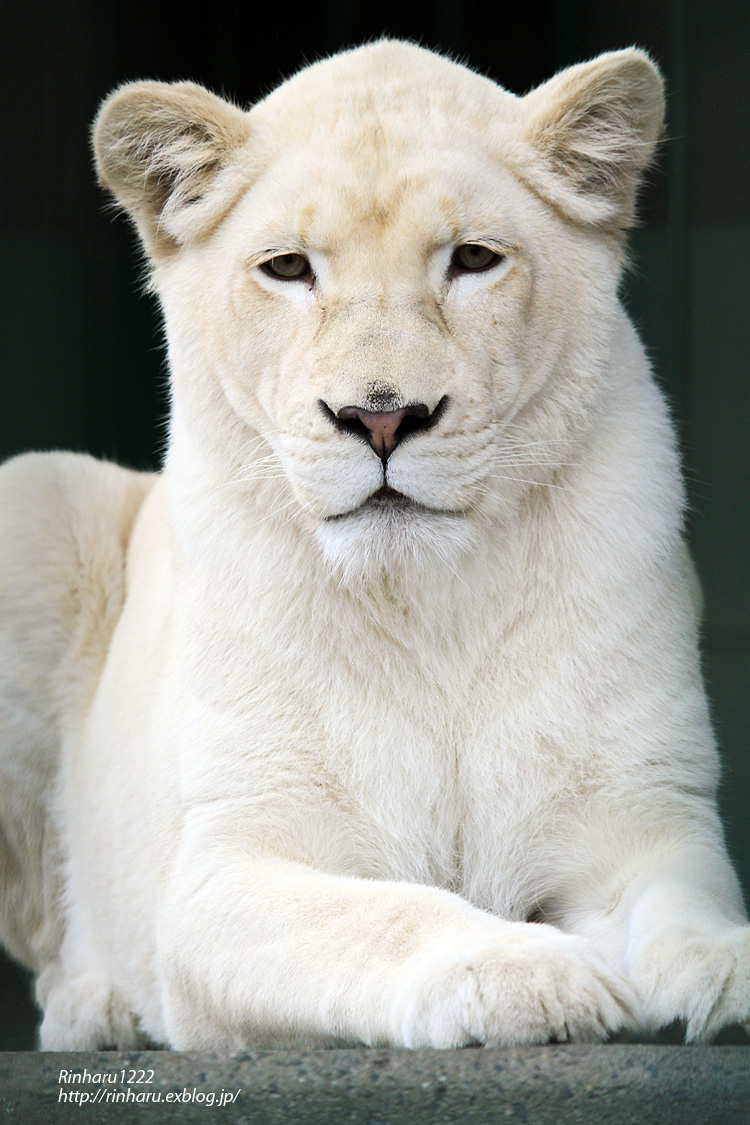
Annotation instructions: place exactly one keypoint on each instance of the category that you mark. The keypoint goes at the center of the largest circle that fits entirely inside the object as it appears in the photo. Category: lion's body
(307, 762)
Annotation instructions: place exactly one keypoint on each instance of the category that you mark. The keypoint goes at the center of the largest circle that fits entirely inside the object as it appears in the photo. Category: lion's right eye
(288, 267)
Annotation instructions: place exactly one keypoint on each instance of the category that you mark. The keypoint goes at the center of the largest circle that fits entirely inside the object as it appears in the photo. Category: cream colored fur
(285, 764)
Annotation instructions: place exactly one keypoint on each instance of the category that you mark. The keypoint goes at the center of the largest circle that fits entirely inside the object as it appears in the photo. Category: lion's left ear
(592, 130)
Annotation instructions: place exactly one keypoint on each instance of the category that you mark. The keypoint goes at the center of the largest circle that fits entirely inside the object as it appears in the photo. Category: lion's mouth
(386, 500)
(387, 497)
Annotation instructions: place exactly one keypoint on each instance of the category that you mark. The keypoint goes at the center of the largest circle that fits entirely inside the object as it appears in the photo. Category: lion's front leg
(689, 951)
(268, 951)
(680, 934)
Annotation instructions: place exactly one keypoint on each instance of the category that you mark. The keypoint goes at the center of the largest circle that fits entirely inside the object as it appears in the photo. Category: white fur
(274, 777)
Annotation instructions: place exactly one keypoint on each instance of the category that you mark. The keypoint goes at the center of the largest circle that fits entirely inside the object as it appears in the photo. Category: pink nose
(384, 429)
(381, 426)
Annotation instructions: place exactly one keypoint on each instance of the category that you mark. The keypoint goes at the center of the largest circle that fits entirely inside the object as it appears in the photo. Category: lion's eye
(288, 267)
(474, 258)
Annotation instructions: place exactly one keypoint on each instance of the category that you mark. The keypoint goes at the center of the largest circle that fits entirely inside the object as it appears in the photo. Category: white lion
(377, 716)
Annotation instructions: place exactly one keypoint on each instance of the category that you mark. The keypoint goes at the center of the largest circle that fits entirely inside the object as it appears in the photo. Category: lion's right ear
(166, 152)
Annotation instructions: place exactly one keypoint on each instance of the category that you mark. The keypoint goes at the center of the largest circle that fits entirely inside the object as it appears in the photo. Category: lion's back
(65, 521)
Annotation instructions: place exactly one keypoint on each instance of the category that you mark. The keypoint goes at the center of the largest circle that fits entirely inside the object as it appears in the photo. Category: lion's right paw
(551, 987)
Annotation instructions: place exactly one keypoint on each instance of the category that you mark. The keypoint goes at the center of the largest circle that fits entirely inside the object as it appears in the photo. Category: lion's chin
(391, 533)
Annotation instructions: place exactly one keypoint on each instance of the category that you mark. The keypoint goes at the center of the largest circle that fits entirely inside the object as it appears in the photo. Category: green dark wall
(82, 364)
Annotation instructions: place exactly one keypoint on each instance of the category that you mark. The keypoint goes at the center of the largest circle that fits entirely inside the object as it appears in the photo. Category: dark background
(82, 364)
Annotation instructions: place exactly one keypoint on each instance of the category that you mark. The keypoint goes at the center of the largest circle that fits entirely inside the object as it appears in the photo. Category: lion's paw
(551, 987)
(85, 1013)
(702, 980)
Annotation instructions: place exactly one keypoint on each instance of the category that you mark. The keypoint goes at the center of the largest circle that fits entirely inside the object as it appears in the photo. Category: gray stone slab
(555, 1085)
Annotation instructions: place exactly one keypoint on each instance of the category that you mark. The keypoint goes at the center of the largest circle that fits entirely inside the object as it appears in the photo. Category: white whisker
(275, 512)
(531, 460)
(444, 559)
(519, 480)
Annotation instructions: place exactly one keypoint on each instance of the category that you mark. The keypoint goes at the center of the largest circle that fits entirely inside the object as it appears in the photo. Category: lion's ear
(166, 151)
(592, 130)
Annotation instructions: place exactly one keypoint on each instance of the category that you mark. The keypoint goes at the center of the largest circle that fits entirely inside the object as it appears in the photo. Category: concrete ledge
(617, 1084)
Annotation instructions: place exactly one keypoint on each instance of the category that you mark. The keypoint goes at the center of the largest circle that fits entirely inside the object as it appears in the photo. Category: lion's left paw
(701, 979)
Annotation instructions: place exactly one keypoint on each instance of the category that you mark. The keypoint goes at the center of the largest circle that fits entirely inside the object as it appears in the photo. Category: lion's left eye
(473, 258)
(288, 267)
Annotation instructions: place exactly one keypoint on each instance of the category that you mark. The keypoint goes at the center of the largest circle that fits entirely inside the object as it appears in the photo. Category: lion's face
(381, 367)
(400, 323)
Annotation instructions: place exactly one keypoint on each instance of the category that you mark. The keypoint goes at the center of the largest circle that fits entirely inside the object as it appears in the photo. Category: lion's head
(390, 287)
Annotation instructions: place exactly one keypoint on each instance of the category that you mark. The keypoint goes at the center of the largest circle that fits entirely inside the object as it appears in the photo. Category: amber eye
(474, 258)
(288, 267)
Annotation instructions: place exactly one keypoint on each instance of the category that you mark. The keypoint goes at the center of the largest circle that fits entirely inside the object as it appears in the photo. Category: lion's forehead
(386, 131)
(424, 196)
